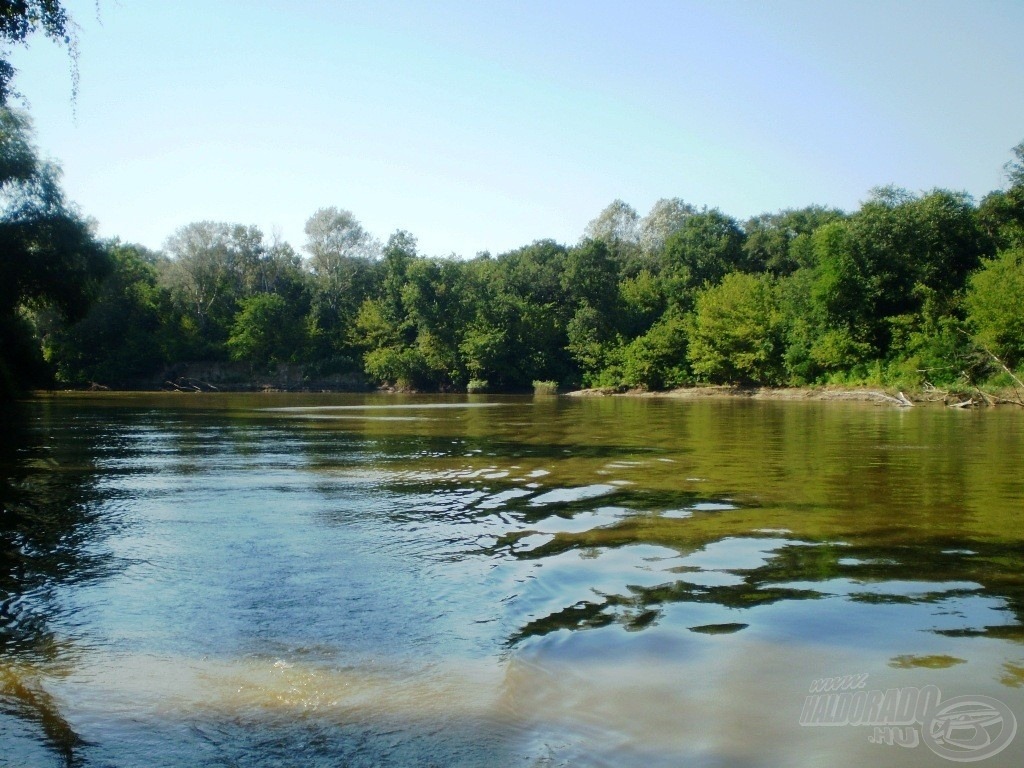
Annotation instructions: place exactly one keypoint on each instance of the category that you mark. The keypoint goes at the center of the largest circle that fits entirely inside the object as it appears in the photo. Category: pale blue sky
(487, 125)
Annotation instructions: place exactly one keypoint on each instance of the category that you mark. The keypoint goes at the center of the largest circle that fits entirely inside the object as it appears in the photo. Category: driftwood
(900, 400)
(990, 400)
(933, 394)
(1016, 382)
(185, 384)
(1017, 385)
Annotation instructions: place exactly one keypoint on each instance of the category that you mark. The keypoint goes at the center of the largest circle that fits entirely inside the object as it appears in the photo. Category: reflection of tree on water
(930, 571)
(819, 551)
(47, 526)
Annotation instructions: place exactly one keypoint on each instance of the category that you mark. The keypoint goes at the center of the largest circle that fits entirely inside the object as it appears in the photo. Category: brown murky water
(278, 580)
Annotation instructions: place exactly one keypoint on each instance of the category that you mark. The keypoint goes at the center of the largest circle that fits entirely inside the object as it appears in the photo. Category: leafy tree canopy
(19, 20)
(49, 259)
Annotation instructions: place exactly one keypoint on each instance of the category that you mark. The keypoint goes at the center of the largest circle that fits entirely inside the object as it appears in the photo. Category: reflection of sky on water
(469, 590)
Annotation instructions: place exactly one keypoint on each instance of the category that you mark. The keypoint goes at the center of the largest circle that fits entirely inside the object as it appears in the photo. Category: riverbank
(822, 393)
(962, 399)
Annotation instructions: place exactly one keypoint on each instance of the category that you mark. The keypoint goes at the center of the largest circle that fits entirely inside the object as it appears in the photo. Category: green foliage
(51, 264)
(706, 246)
(780, 243)
(591, 277)
(737, 332)
(590, 343)
(994, 300)
(510, 341)
(213, 265)
(1001, 216)
(266, 331)
(880, 264)
(477, 386)
(884, 294)
(657, 359)
(932, 350)
(404, 367)
(343, 273)
(837, 350)
(643, 302)
(533, 273)
(121, 339)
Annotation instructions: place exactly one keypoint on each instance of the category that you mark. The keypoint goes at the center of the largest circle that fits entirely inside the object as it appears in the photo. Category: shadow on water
(49, 536)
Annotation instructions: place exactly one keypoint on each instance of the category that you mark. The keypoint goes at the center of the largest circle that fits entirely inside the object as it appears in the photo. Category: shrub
(994, 306)
(737, 332)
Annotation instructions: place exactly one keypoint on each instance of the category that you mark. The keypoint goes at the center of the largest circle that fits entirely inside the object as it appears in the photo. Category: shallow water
(271, 580)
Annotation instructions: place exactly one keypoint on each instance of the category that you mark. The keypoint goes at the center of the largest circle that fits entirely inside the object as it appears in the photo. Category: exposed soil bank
(824, 393)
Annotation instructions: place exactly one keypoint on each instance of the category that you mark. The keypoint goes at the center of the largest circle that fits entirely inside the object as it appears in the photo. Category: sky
(483, 125)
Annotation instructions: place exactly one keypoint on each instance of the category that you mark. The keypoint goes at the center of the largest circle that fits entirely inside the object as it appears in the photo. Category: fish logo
(965, 729)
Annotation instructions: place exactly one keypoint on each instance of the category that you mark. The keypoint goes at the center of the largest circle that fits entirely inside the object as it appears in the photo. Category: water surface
(271, 580)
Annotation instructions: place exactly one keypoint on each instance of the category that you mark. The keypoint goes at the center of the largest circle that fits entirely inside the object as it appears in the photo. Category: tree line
(910, 290)
(907, 290)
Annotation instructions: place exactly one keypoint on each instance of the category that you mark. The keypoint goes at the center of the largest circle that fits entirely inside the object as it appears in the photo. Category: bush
(476, 386)
(737, 332)
(994, 306)
(402, 366)
(657, 360)
(545, 388)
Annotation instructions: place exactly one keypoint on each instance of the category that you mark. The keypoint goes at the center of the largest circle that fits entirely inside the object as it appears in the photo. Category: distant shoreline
(823, 393)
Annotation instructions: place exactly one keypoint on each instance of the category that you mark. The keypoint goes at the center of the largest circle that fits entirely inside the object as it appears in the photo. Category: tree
(708, 245)
(19, 20)
(1001, 217)
(383, 329)
(120, 341)
(534, 272)
(780, 242)
(875, 269)
(435, 300)
(334, 234)
(994, 300)
(657, 359)
(593, 345)
(213, 266)
(1015, 168)
(344, 275)
(266, 331)
(513, 340)
(591, 277)
(665, 218)
(1002, 212)
(617, 223)
(643, 301)
(737, 332)
(49, 259)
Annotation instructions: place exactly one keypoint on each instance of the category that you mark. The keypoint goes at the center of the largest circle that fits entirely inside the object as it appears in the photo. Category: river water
(371, 580)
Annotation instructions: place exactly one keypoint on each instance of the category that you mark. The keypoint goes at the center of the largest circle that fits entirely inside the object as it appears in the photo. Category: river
(385, 580)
